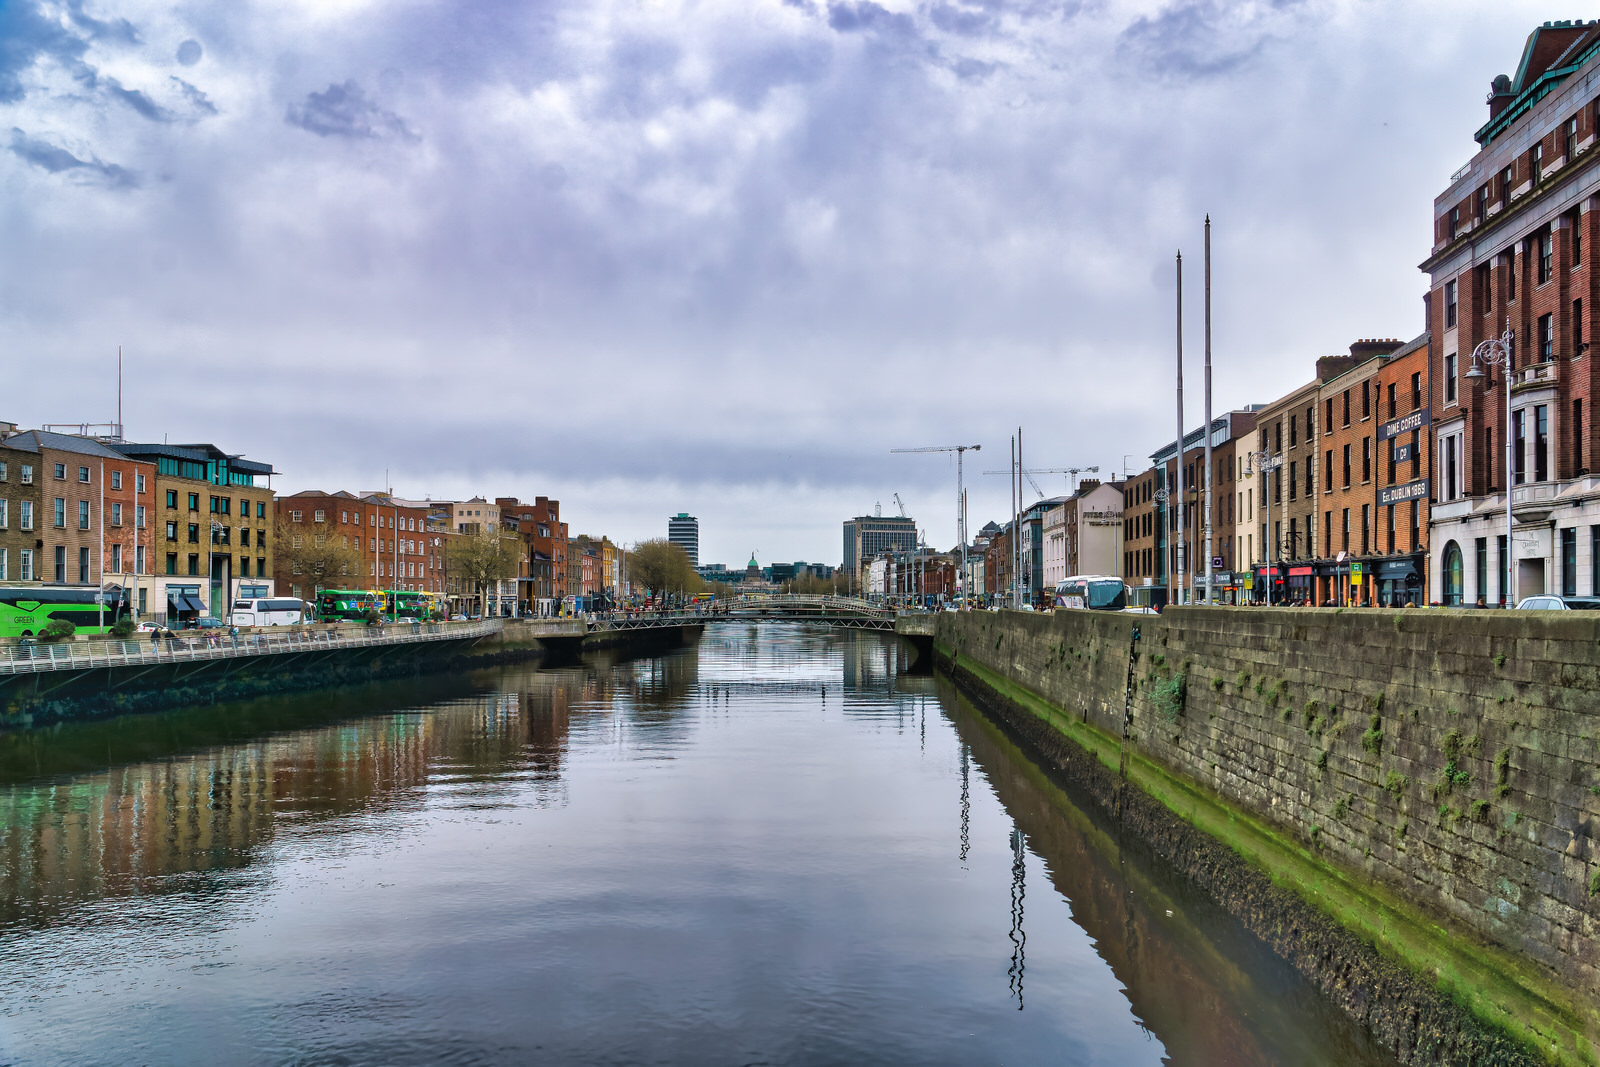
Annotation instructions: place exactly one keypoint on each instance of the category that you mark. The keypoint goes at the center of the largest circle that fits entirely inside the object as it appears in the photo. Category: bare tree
(319, 554)
(483, 556)
(661, 566)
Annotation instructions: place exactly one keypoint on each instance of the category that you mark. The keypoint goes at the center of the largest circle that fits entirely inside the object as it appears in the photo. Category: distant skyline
(717, 257)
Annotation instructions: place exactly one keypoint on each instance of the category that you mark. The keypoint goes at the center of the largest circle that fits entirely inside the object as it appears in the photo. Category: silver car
(1547, 602)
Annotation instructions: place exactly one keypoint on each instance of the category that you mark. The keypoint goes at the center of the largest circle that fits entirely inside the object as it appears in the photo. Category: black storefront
(1398, 580)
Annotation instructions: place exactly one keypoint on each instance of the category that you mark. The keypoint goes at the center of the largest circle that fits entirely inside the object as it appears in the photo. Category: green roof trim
(1542, 87)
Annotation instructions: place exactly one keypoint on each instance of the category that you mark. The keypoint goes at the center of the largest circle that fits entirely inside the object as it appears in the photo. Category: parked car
(458, 617)
(146, 628)
(203, 622)
(1546, 602)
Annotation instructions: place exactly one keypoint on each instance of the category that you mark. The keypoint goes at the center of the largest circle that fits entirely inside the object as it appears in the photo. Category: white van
(282, 611)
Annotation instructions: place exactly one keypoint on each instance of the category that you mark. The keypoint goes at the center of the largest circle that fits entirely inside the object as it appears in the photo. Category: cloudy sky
(717, 256)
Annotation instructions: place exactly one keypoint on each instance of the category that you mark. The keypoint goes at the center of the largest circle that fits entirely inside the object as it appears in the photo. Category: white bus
(1096, 592)
(279, 611)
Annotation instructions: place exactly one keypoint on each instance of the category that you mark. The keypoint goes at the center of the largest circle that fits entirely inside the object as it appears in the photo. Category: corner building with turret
(1514, 234)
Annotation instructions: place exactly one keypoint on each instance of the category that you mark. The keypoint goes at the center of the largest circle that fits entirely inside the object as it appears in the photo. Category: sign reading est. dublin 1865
(1399, 494)
(1404, 424)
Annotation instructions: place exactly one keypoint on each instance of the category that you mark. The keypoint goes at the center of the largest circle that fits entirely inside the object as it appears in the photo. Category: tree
(661, 567)
(482, 556)
(323, 557)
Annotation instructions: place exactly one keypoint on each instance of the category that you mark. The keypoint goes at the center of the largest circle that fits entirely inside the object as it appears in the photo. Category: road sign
(1249, 580)
(1355, 572)
(1216, 562)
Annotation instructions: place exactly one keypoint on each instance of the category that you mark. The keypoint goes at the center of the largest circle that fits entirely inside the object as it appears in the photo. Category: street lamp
(1266, 462)
(1498, 351)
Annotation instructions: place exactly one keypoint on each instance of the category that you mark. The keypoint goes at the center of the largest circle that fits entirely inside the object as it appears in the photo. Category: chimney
(1367, 347)
(1500, 95)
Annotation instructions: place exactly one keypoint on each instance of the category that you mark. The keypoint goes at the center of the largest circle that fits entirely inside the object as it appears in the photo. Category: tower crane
(961, 496)
(900, 504)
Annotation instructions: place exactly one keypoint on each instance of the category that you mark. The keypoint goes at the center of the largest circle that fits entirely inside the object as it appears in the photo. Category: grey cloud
(962, 20)
(851, 16)
(344, 111)
(137, 100)
(189, 52)
(26, 36)
(1202, 38)
(196, 99)
(58, 160)
(119, 30)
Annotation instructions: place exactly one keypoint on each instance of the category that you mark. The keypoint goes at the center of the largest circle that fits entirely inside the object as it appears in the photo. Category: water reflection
(734, 852)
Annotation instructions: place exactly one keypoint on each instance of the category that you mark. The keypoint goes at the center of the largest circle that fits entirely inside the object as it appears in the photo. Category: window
(172, 531)
(1416, 390)
(5, 517)
(1505, 186)
(1366, 400)
(344, 516)
(1347, 466)
(1454, 222)
(116, 479)
(1347, 407)
(1327, 471)
(116, 514)
(1327, 422)
(1577, 439)
(60, 506)
(138, 561)
(1536, 162)
(2, 472)
(1450, 378)
(172, 563)
(116, 559)
(1569, 138)
(61, 472)
(138, 483)
(1390, 539)
(138, 515)
(27, 473)
(319, 516)
(1293, 423)
(1366, 524)
(1577, 328)
(1447, 456)
(25, 565)
(1327, 529)
(1569, 561)
(1541, 442)
(194, 533)
(227, 505)
(1488, 459)
(1345, 535)
(83, 474)
(1480, 207)
(1547, 338)
(244, 566)
(1452, 575)
(1366, 459)
(194, 563)
(61, 564)
(1576, 228)
(1311, 465)
(25, 514)
(1449, 303)
(83, 514)
(172, 498)
(1294, 479)
(213, 505)
(194, 501)
(1519, 446)
(1277, 446)
(4, 564)
(261, 565)
(1511, 273)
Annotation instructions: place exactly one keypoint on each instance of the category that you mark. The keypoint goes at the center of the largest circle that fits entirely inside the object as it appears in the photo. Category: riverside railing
(195, 646)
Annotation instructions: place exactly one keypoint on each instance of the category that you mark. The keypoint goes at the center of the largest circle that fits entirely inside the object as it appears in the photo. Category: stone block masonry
(1430, 780)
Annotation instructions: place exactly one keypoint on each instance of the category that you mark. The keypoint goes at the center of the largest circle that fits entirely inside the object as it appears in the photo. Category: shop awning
(1301, 572)
(183, 602)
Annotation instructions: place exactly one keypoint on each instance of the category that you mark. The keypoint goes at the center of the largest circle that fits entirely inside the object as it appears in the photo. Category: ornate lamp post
(1500, 351)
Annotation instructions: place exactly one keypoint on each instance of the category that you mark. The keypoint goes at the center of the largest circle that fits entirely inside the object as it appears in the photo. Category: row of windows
(220, 534)
(1363, 539)
(1498, 189)
(407, 522)
(193, 562)
(220, 505)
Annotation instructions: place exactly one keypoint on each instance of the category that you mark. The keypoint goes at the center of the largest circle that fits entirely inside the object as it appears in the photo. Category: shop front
(1302, 585)
(1398, 580)
(1268, 584)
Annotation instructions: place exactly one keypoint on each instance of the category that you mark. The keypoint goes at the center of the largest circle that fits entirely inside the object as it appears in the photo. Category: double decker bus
(27, 609)
(347, 605)
(411, 604)
(1096, 592)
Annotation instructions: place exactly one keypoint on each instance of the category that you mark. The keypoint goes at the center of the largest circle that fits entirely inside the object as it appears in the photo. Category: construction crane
(900, 504)
(961, 498)
(1071, 472)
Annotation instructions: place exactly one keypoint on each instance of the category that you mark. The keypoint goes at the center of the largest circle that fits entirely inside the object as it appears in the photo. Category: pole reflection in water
(682, 859)
(1019, 936)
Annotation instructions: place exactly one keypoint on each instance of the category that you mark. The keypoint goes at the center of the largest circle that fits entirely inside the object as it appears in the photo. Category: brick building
(401, 541)
(1144, 537)
(21, 546)
(1513, 235)
(1372, 484)
(544, 581)
(1227, 430)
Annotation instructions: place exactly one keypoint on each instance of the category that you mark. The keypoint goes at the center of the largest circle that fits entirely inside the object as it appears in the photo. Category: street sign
(1355, 572)
(1216, 562)
(1249, 580)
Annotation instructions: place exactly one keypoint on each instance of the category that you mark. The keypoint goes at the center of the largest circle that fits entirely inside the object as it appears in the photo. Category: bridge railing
(184, 648)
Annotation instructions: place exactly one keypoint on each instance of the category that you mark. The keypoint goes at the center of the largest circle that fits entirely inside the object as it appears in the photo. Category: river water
(775, 847)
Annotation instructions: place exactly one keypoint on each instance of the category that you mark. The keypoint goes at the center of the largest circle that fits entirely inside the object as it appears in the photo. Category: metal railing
(194, 646)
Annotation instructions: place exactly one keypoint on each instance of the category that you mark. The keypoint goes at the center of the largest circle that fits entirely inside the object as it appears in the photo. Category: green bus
(410, 604)
(25, 610)
(347, 605)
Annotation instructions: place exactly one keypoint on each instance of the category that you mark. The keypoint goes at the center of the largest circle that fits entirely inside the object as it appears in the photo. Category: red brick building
(1513, 236)
(401, 547)
(544, 580)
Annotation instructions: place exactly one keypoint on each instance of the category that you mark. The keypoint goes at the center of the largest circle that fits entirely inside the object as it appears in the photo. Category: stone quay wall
(1430, 779)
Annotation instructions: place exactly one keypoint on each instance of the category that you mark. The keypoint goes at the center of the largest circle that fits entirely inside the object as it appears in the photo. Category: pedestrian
(155, 639)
